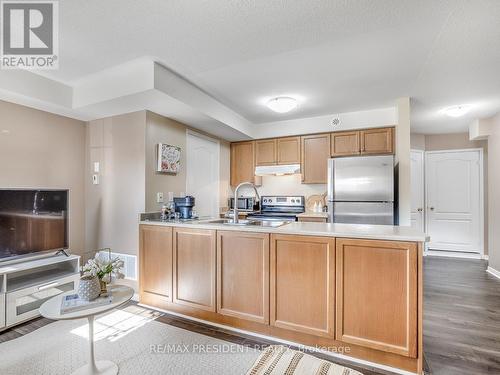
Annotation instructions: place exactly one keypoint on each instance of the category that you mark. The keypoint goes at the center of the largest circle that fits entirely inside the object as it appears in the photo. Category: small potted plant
(105, 268)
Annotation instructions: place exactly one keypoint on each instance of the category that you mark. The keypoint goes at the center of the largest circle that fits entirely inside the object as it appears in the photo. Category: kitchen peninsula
(350, 289)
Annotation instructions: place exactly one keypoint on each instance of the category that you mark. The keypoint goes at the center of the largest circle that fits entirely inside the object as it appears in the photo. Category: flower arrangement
(104, 267)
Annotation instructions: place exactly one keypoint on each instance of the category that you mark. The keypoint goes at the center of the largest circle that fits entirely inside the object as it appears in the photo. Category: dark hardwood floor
(461, 317)
(461, 321)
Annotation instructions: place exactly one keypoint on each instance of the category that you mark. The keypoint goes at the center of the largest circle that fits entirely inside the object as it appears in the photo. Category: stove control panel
(282, 201)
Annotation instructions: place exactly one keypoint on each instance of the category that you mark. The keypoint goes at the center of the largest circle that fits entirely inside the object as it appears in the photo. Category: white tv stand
(26, 284)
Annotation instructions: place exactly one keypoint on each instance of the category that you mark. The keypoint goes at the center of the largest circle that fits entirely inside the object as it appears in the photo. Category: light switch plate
(159, 197)
(96, 167)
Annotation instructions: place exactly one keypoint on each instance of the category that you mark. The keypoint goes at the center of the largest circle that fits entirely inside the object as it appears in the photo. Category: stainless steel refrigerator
(361, 190)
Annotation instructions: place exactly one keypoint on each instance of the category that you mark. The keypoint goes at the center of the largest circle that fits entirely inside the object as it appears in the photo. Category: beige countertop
(375, 232)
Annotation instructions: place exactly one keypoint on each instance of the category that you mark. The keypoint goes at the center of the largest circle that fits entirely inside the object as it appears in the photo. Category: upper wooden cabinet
(155, 262)
(303, 284)
(265, 152)
(288, 150)
(194, 271)
(345, 144)
(377, 280)
(243, 275)
(243, 163)
(363, 142)
(315, 154)
(377, 141)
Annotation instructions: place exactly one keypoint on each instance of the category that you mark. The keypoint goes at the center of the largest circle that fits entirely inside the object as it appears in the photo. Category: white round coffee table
(52, 309)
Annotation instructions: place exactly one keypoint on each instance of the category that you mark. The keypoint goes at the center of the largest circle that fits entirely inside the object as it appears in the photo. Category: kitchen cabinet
(377, 141)
(265, 152)
(194, 270)
(315, 151)
(155, 261)
(376, 302)
(345, 143)
(243, 163)
(288, 150)
(303, 284)
(243, 275)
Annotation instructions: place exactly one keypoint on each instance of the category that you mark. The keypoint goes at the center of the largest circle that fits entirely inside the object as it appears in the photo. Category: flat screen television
(32, 222)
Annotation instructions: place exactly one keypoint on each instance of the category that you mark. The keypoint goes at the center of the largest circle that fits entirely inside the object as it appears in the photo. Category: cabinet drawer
(23, 304)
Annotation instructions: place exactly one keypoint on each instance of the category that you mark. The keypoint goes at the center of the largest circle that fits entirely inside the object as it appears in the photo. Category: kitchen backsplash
(284, 185)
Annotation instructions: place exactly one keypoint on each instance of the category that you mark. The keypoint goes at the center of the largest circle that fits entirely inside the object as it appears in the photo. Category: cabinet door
(289, 150)
(155, 261)
(243, 275)
(377, 295)
(265, 152)
(194, 268)
(377, 141)
(303, 284)
(242, 162)
(345, 143)
(315, 153)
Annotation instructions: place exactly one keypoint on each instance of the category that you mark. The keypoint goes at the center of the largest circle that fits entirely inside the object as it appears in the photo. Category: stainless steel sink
(255, 223)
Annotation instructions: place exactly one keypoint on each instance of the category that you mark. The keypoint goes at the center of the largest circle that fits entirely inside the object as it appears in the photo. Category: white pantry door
(454, 200)
(417, 189)
(202, 180)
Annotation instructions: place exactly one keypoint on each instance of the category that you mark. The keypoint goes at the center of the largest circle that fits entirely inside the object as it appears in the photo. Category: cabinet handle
(419, 210)
(431, 208)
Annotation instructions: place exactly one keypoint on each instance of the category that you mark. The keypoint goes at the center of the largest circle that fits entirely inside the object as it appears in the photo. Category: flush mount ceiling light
(456, 110)
(282, 104)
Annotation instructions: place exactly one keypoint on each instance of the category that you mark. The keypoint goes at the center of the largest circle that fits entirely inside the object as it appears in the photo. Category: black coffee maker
(184, 206)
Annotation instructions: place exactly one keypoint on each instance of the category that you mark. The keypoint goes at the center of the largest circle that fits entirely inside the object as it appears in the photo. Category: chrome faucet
(35, 203)
(235, 209)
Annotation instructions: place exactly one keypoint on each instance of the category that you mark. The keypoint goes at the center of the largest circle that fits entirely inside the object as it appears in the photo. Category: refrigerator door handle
(330, 185)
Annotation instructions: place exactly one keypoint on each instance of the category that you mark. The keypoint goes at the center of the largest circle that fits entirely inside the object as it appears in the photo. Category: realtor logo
(29, 34)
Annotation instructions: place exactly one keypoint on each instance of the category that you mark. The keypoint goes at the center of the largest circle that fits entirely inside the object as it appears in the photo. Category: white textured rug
(130, 338)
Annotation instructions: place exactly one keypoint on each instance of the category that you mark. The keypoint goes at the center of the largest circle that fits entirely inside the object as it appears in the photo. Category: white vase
(89, 288)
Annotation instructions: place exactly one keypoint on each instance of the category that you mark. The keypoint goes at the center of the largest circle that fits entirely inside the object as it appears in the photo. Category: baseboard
(454, 254)
(493, 272)
(346, 358)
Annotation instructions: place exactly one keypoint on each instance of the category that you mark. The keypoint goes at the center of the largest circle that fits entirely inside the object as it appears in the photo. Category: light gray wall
(43, 150)
(494, 193)
(113, 206)
(160, 129)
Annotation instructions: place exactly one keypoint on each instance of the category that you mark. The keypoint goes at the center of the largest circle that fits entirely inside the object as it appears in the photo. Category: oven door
(271, 217)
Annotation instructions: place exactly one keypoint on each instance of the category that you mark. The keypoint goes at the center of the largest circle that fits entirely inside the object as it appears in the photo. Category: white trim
(453, 254)
(424, 211)
(217, 142)
(481, 192)
(493, 272)
(347, 358)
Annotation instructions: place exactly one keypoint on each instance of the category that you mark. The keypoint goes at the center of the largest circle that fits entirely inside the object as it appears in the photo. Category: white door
(454, 200)
(417, 189)
(202, 180)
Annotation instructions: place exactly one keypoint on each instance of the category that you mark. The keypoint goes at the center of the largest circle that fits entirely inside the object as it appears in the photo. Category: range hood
(277, 170)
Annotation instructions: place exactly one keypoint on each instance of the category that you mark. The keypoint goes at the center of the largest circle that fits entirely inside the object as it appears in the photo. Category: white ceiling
(334, 55)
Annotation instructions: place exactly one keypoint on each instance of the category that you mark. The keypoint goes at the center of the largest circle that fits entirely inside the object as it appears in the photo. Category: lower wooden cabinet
(303, 284)
(376, 299)
(155, 261)
(243, 275)
(194, 270)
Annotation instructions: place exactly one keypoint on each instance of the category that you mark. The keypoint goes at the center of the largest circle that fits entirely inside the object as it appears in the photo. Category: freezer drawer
(361, 212)
(360, 179)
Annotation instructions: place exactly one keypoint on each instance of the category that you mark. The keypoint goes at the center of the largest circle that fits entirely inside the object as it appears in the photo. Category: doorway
(202, 173)
(454, 201)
